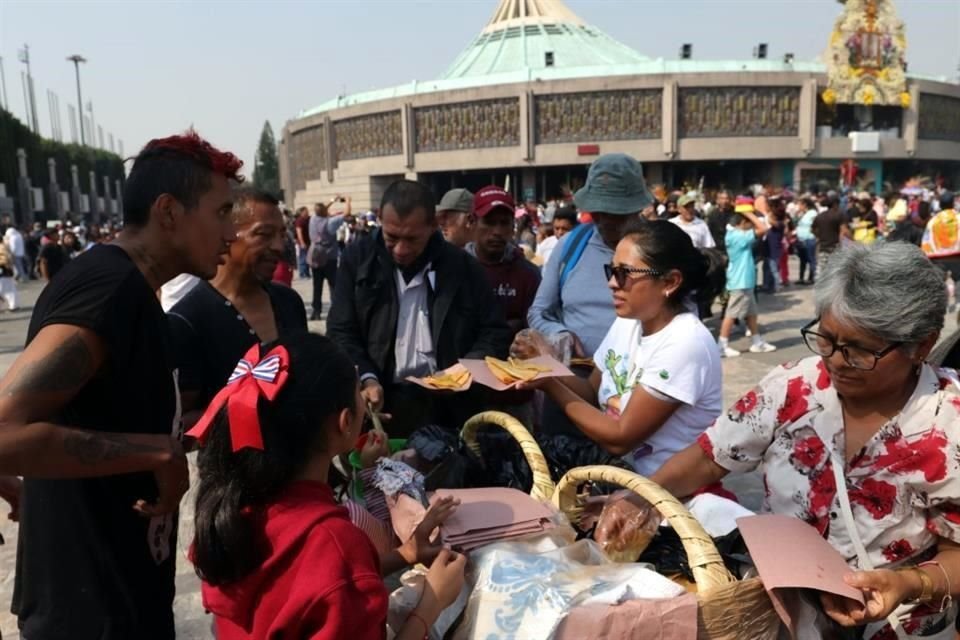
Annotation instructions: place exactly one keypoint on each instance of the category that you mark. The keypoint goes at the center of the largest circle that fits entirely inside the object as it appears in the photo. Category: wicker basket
(727, 609)
(543, 487)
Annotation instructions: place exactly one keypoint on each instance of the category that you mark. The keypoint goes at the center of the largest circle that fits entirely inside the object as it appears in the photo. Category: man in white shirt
(693, 226)
(15, 244)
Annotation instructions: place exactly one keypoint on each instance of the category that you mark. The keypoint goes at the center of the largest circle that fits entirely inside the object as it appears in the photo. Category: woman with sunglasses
(657, 381)
(865, 414)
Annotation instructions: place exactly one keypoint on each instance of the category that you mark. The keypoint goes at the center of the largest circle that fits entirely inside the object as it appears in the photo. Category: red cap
(490, 198)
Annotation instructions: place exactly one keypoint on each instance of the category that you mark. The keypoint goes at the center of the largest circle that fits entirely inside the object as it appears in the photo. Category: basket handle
(543, 486)
(702, 555)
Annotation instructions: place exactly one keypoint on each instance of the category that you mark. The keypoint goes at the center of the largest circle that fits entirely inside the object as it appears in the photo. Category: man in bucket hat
(573, 297)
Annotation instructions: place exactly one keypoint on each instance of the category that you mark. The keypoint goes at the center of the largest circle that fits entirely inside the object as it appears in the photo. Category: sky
(227, 66)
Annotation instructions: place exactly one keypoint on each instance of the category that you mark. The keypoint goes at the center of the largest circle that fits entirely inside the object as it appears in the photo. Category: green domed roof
(522, 33)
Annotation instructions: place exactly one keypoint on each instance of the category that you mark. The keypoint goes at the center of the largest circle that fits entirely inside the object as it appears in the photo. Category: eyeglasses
(856, 357)
(619, 273)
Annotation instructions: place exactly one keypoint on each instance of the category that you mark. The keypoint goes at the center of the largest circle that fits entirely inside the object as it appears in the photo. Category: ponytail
(225, 546)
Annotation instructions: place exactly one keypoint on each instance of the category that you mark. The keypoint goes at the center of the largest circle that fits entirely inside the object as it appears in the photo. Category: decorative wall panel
(468, 125)
(939, 117)
(601, 115)
(371, 136)
(308, 156)
(713, 112)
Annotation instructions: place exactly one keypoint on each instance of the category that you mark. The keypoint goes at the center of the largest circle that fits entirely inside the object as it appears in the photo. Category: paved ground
(781, 317)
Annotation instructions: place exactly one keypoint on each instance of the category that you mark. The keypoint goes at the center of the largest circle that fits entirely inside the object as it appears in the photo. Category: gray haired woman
(865, 417)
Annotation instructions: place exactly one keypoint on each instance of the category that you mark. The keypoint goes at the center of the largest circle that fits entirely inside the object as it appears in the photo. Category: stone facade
(939, 117)
(370, 136)
(468, 125)
(659, 119)
(723, 112)
(308, 156)
(597, 116)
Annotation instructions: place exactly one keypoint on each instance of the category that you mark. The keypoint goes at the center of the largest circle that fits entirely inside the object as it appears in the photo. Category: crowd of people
(41, 252)
(182, 331)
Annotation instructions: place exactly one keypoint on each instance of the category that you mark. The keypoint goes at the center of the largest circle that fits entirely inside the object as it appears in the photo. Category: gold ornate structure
(866, 58)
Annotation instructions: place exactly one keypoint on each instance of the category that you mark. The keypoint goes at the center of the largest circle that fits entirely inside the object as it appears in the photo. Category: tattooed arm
(44, 378)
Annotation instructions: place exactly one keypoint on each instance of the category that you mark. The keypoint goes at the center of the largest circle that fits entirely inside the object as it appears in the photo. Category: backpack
(321, 252)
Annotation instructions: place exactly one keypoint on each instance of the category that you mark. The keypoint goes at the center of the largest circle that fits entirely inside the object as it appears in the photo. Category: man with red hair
(89, 412)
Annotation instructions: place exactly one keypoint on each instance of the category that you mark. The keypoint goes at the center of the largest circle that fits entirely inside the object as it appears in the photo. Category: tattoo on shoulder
(92, 448)
(66, 368)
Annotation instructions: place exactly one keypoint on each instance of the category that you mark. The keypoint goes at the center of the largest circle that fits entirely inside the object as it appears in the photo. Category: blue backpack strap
(573, 250)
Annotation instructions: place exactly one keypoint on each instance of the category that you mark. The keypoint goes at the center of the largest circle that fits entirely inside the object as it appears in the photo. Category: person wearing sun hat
(573, 297)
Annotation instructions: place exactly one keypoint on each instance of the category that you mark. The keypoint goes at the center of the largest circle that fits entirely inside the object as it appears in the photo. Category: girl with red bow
(278, 557)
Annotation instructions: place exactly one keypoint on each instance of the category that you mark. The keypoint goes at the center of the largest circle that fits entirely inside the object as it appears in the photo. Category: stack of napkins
(492, 515)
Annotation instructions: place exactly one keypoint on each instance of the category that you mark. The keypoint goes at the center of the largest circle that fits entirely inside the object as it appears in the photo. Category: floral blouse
(904, 485)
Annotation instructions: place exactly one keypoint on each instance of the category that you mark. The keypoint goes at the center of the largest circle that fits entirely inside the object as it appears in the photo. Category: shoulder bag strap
(854, 534)
(574, 249)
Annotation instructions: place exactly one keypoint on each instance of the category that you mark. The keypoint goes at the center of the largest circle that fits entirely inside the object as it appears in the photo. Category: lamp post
(76, 60)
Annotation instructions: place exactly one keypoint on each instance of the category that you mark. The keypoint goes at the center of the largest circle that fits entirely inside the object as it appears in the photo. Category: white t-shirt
(173, 291)
(698, 231)
(545, 248)
(680, 362)
(14, 242)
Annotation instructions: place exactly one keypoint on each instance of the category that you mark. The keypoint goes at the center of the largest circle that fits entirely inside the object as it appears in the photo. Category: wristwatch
(926, 586)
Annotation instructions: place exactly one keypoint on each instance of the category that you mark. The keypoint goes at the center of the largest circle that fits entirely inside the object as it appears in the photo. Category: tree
(266, 170)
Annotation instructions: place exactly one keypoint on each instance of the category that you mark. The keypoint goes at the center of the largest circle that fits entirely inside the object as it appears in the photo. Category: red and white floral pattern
(904, 485)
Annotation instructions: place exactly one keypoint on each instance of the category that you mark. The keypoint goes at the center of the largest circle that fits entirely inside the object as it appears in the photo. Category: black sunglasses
(620, 272)
(856, 357)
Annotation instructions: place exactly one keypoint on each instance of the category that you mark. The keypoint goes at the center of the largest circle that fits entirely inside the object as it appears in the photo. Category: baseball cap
(490, 198)
(456, 200)
(686, 199)
(615, 185)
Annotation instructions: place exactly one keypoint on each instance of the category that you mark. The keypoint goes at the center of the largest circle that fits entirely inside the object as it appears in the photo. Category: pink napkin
(492, 514)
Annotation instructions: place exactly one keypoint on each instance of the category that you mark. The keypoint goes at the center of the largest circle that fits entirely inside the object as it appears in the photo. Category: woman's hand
(547, 385)
(883, 590)
(627, 523)
(419, 548)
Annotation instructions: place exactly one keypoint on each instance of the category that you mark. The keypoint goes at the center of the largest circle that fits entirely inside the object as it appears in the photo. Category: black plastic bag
(564, 453)
(666, 553)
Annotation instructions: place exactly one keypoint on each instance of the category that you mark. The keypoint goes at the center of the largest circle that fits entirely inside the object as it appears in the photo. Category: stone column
(53, 190)
(408, 130)
(119, 192)
(94, 199)
(76, 202)
(24, 191)
(528, 136)
(808, 117)
(330, 144)
(107, 200)
(910, 125)
(669, 126)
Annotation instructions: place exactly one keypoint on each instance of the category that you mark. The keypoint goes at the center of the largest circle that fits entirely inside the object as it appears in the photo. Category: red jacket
(321, 580)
